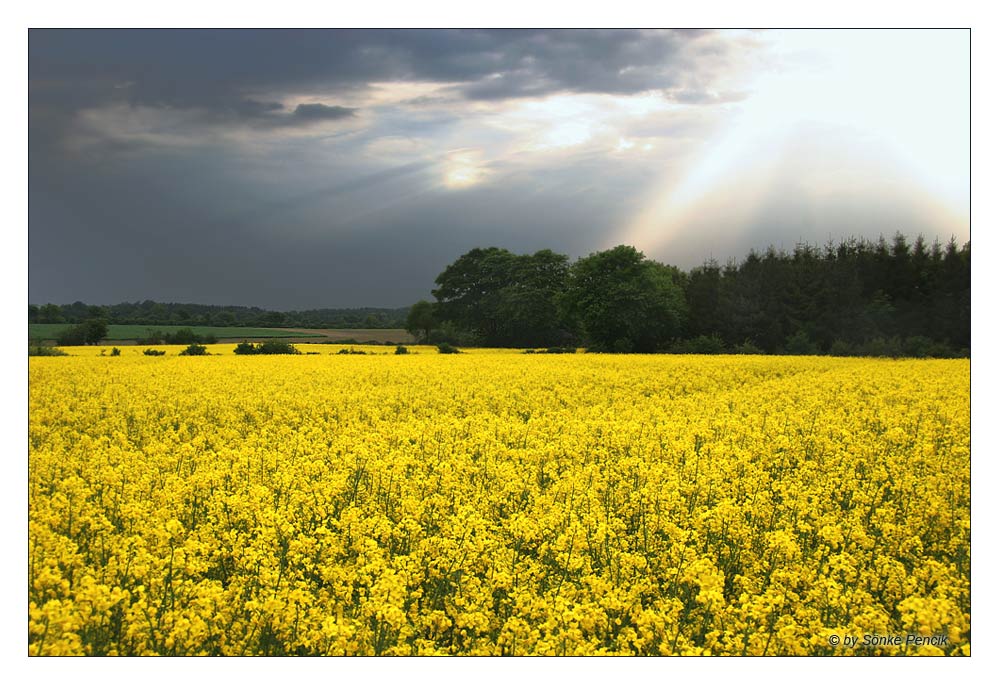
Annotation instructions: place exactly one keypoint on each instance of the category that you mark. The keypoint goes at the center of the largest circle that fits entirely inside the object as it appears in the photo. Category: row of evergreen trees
(854, 293)
(858, 297)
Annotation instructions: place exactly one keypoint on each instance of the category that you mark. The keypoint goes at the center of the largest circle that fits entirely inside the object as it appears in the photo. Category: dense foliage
(154, 313)
(88, 332)
(858, 297)
(270, 347)
(857, 293)
(506, 299)
(37, 349)
(194, 349)
(624, 302)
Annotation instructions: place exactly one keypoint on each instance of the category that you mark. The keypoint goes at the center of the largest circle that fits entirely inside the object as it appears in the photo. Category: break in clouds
(312, 168)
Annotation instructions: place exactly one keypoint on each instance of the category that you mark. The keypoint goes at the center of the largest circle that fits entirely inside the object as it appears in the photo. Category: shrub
(841, 348)
(452, 335)
(275, 347)
(76, 335)
(115, 352)
(942, 350)
(152, 338)
(194, 349)
(181, 337)
(448, 349)
(153, 353)
(85, 333)
(701, 345)
(351, 351)
(917, 346)
(622, 345)
(245, 348)
(709, 345)
(401, 350)
(800, 344)
(36, 349)
(882, 347)
(271, 347)
(185, 336)
(747, 347)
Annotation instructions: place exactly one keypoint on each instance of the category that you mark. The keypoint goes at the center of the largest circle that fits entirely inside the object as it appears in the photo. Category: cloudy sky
(298, 169)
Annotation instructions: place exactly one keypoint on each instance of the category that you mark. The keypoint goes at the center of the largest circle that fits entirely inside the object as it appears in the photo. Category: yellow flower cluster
(496, 504)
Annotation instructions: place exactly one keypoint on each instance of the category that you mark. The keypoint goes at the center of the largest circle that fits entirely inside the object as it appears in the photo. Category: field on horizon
(497, 504)
(361, 335)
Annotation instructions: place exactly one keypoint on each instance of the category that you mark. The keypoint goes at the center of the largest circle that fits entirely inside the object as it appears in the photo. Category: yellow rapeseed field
(496, 504)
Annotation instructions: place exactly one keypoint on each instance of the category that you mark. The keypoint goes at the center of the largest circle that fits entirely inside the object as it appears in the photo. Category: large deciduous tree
(624, 302)
(88, 332)
(421, 320)
(469, 291)
(505, 299)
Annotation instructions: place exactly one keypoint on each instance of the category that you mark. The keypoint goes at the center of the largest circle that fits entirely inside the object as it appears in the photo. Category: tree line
(154, 313)
(858, 297)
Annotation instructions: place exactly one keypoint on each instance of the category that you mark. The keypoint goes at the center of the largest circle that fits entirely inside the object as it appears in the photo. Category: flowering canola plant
(496, 504)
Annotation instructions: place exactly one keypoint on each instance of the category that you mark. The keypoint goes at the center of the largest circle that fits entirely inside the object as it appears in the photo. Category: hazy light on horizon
(851, 90)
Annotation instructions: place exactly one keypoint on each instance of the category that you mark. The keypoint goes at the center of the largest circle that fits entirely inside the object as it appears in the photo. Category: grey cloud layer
(235, 74)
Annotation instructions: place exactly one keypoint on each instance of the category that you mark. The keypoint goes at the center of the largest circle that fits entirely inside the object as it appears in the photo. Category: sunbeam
(839, 124)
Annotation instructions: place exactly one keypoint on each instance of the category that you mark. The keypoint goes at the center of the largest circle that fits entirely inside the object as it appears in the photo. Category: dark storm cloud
(247, 108)
(319, 112)
(226, 72)
(273, 114)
